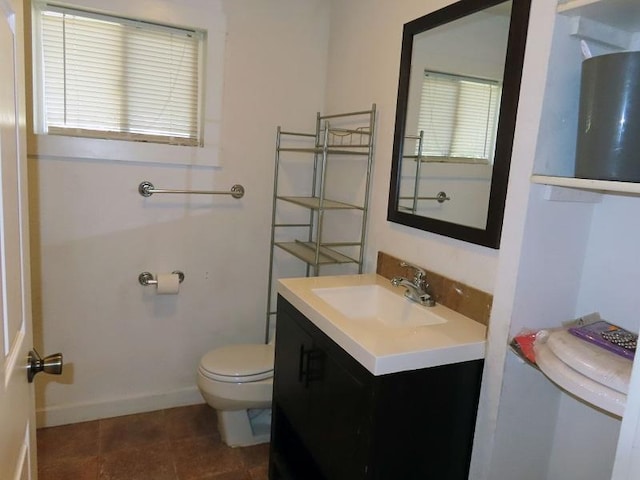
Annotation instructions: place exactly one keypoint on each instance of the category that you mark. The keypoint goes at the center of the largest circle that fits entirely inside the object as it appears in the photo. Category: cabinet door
(338, 406)
(291, 381)
(323, 394)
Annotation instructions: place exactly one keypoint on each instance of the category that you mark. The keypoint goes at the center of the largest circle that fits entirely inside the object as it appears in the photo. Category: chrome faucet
(416, 290)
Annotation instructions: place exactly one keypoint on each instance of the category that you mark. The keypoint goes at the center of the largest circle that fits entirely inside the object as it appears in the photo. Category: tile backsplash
(457, 296)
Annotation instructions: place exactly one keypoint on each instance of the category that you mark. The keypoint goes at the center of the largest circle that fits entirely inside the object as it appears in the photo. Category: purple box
(608, 336)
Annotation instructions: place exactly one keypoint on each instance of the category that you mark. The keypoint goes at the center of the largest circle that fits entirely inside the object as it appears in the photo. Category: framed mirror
(460, 72)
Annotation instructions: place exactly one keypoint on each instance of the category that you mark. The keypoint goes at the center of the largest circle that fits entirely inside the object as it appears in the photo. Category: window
(459, 117)
(108, 77)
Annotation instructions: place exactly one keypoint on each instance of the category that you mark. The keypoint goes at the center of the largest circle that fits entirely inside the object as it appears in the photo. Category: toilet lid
(237, 363)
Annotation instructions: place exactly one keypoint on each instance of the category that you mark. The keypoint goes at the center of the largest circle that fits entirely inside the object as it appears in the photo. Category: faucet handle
(418, 273)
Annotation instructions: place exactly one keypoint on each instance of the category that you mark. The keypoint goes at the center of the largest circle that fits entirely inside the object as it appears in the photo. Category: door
(17, 424)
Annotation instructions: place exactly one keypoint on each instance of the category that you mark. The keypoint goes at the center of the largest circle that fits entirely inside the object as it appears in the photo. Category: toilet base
(242, 428)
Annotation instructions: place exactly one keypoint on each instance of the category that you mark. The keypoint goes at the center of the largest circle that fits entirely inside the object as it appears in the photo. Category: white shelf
(587, 184)
(622, 14)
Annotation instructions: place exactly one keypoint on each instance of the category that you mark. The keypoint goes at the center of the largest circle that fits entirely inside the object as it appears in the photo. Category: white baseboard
(83, 412)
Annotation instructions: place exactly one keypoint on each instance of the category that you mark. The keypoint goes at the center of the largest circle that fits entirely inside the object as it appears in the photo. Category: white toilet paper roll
(168, 284)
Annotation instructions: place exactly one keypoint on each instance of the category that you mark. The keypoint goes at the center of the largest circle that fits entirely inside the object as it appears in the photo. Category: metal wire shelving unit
(337, 138)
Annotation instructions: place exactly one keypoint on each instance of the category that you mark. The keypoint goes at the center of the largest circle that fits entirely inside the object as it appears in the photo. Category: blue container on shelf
(608, 144)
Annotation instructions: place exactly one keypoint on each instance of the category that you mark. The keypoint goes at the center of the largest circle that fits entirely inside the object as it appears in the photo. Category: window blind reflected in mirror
(458, 116)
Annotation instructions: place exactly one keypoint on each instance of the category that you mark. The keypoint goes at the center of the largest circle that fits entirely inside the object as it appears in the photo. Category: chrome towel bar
(146, 189)
(441, 197)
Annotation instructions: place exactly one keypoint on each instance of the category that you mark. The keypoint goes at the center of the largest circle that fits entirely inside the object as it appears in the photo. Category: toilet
(237, 381)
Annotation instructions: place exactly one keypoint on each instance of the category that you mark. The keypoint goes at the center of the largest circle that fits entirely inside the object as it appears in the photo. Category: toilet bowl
(237, 380)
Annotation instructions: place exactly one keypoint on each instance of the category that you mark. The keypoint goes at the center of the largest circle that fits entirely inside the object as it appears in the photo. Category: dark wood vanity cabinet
(334, 420)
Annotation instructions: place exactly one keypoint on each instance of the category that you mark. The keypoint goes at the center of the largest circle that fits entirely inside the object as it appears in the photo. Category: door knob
(50, 364)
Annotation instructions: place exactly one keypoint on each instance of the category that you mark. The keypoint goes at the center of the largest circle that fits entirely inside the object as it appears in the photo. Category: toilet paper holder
(146, 278)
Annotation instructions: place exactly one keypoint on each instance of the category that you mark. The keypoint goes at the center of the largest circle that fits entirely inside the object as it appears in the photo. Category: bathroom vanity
(394, 412)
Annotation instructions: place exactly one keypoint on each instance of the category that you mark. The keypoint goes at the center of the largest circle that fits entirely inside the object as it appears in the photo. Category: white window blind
(459, 117)
(109, 77)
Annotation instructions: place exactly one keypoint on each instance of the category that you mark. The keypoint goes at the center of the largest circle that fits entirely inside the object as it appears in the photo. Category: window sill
(57, 146)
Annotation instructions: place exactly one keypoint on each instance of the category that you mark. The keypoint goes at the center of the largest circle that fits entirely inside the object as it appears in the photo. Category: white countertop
(380, 349)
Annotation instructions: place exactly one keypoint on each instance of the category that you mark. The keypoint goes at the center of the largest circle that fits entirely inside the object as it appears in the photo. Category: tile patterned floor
(175, 444)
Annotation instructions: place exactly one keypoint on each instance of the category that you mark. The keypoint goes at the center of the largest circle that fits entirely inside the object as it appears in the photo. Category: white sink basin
(373, 303)
(384, 331)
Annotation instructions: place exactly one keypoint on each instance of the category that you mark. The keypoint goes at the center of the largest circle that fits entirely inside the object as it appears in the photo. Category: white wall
(575, 258)
(600, 280)
(467, 186)
(584, 442)
(363, 67)
(127, 349)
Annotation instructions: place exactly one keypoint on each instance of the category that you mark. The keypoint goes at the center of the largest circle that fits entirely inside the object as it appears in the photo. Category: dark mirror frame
(490, 236)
